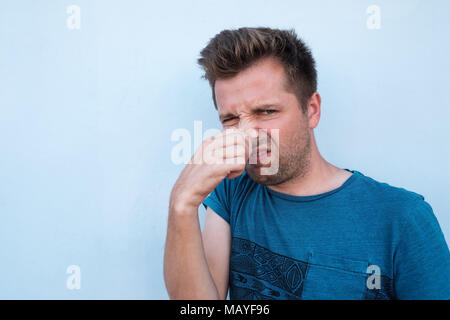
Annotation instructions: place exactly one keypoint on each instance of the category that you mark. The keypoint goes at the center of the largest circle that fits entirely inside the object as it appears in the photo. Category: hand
(222, 155)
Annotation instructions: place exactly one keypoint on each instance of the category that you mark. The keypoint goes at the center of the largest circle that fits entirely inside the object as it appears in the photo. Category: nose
(248, 125)
(251, 129)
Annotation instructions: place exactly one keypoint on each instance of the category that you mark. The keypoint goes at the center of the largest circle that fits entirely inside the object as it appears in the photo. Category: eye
(269, 111)
(228, 119)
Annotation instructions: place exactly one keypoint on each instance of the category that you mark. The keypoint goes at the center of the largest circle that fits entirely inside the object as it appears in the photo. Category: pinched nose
(248, 126)
(252, 133)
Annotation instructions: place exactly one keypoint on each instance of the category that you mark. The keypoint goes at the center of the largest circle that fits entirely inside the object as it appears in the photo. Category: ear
(314, 110)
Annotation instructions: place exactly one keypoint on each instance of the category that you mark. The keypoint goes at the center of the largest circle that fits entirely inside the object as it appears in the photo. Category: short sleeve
(422, 258)
(218, 200)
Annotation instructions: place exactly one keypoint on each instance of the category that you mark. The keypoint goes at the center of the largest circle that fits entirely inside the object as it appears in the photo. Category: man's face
(257, 98)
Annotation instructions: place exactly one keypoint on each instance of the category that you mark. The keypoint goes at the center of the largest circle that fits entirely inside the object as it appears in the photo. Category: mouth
(260, 157)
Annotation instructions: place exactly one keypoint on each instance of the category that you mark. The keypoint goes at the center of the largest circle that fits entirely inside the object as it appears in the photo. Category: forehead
(261, 83)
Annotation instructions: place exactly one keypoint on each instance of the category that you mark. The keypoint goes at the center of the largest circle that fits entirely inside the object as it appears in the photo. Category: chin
(254, 172)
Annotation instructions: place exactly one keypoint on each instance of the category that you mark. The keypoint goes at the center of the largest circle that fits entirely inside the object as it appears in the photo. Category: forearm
(186, 271)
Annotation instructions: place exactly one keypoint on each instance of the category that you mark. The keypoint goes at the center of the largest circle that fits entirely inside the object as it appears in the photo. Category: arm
(186, 271)
(217, 245)
(195, 263)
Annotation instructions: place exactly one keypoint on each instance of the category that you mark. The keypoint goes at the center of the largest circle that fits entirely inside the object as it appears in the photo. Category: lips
(261, 150)
(259, 156)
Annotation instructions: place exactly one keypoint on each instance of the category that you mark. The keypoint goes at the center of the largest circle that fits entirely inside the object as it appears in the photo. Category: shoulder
(229, 191)
(238, 186)
(387, 191)
(404, 205)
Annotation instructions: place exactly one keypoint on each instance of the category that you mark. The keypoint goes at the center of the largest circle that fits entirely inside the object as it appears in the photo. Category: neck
(320, 177)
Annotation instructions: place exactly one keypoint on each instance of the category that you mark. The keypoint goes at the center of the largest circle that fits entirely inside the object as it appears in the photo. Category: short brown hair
(232, 51)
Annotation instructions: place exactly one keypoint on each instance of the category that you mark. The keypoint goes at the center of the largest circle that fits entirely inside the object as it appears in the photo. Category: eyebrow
(257, 108)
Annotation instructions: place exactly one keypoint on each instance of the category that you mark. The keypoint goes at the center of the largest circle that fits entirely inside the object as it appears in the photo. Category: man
(308, 230)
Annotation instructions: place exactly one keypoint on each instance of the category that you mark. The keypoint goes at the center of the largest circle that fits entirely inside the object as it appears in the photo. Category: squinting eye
(229, 121)
(269, 111)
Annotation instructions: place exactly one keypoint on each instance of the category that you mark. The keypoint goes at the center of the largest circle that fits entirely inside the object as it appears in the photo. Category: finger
(234, 164)
(238, 160)
(219, 155)
(232, 151)
(231, 138)
(229, 143)
(235, 170)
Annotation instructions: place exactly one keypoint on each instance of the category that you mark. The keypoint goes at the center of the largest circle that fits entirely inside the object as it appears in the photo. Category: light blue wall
(86, 118)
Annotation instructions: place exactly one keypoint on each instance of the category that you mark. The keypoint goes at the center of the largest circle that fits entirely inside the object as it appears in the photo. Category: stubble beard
(294, 161)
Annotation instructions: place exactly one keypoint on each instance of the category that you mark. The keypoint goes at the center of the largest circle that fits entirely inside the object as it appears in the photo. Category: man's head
(265, 78)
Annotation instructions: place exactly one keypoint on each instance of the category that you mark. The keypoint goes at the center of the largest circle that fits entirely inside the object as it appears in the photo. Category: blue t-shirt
(363, 240)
